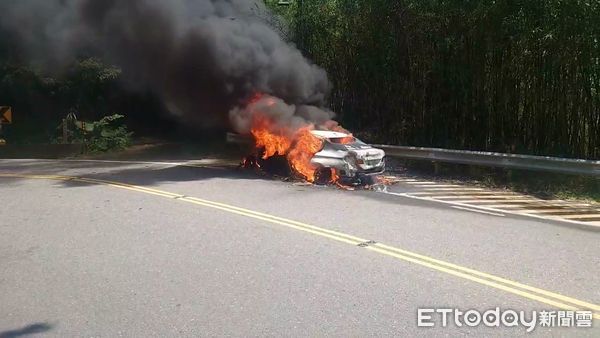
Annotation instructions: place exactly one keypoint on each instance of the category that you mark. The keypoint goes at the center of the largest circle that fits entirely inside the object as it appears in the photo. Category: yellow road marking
(492, 277)
(478, 280)
(533, 293)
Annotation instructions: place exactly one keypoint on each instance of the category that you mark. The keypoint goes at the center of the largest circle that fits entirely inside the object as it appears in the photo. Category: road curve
(154, 249)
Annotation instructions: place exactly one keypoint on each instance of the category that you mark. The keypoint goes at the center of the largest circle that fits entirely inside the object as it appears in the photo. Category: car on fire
(351, 158)
(341, 154)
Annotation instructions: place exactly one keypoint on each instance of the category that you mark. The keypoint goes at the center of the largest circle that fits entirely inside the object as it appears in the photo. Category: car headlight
(350, 161)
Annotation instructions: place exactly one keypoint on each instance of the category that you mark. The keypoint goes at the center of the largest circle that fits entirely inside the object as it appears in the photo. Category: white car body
(349, 159)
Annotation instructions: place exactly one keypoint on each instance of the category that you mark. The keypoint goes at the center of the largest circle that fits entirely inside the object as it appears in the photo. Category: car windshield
(343, 140)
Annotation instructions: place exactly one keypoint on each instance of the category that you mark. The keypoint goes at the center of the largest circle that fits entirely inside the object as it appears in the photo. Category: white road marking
(596, 215)
(523, 202)
(497, 203)
(404, 179)
(467, 194)
(538, 204)
(457, 189)
(478, 211)
(550, 211)
(510, 212)
(508, 206)
(489, 198)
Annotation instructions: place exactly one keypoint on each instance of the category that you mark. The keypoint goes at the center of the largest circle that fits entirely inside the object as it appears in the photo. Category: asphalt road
(89, 250)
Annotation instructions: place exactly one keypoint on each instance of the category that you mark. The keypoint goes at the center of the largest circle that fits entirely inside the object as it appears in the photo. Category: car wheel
(323, 176)
(367, 180)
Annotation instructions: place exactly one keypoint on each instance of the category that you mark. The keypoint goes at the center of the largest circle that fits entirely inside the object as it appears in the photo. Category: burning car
(333, 157)
(302, 141)
(346, 156)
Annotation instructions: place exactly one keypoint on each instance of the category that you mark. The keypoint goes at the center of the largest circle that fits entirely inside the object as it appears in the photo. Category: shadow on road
(132, 173)
(152, 176)
(27, 330)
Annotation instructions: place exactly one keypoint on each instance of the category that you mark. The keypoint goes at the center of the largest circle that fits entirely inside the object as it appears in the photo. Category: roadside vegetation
(106, 134)
(42, 100)
(89, 89)
(507, 76)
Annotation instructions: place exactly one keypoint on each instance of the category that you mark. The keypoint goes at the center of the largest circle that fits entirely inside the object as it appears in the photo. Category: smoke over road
(204, 58)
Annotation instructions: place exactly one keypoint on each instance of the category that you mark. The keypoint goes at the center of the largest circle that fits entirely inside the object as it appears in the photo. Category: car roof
(328, 134)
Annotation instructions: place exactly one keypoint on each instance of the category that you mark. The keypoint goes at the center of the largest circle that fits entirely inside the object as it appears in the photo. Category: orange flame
(306, 145)
(298, 145)
(273, 140)
(334, 126)
(335, 177)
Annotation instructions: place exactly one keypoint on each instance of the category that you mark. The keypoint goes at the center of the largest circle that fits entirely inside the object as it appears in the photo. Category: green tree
(41, 101)
(503, 75)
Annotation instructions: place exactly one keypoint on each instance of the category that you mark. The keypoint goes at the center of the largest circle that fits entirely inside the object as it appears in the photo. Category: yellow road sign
(5, 115)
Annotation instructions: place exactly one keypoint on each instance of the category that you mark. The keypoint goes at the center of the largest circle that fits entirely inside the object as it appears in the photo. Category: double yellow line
(547, 297)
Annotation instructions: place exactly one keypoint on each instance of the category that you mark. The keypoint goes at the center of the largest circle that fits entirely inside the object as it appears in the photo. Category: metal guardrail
(489, 159)
(234, 138)
(479, 158)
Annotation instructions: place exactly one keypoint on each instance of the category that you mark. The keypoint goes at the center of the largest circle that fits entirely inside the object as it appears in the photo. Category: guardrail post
(437, 168)
(65, 132)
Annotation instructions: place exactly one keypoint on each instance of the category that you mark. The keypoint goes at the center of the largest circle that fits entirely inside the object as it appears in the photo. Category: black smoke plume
(203, 58)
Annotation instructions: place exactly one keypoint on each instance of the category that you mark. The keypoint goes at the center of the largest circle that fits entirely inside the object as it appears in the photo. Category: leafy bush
(103, 135)
(40, 96)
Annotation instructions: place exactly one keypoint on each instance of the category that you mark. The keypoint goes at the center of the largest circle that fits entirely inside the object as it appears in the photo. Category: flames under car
(341, 154)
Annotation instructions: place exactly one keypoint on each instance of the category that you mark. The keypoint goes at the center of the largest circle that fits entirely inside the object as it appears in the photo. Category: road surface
(103, 249)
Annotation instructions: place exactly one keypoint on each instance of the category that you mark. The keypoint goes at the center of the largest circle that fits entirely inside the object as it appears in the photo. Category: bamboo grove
(518, 76)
